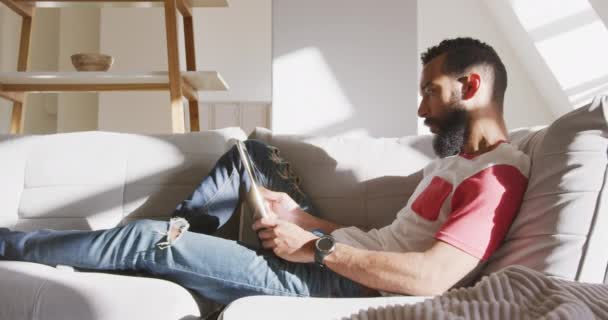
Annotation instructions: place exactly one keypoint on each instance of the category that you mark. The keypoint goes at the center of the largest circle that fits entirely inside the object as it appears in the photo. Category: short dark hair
(463, 53)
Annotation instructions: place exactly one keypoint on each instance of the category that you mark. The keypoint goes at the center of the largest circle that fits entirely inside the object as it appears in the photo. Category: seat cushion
(295, 308)
(558, 229)
(42, 292)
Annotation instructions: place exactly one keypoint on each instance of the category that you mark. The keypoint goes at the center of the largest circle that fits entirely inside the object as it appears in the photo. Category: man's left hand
(287, 240)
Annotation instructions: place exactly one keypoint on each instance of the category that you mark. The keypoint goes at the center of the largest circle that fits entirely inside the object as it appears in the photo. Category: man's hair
(464, 53)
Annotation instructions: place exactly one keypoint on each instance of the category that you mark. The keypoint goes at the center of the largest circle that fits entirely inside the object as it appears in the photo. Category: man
(454, 221)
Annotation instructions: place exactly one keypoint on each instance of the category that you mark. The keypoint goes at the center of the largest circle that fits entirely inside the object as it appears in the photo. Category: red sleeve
(483, 207)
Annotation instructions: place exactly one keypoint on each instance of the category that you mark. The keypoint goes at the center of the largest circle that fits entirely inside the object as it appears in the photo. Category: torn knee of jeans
(176, 229)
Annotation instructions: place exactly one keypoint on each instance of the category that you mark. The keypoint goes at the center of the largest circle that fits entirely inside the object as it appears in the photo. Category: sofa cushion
(297, 308)
(561, 227)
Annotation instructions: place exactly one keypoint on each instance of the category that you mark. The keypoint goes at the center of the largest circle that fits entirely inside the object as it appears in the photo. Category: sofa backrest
(355, 181)
(562, 225)
(96, 179)
(364, 182)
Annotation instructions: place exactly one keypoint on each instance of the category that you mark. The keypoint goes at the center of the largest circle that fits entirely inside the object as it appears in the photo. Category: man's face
(442, 109)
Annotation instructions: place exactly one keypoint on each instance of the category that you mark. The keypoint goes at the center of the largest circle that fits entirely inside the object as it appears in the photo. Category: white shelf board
(199, 80)
(204, 80)
(118, 3)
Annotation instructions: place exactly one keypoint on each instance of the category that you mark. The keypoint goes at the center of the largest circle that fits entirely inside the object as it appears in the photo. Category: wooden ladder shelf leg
(24, 48)
(175, 85)
(191, 66)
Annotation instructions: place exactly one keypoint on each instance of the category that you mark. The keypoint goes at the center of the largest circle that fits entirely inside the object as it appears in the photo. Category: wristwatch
(323, 247)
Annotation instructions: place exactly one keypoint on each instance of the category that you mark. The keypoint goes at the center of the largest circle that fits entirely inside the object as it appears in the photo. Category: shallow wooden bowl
(92, 61)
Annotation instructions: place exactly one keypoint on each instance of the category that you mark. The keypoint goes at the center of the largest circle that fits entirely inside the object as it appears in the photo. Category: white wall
(439, 19)
(234, 41)
(247, 115)
(40, 111)
(340, 68)
(77, 111)
(136, 40)
(237, 42)
(344, 67)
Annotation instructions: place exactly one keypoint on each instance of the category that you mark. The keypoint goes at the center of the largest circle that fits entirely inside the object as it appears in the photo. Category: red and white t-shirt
(466, 201)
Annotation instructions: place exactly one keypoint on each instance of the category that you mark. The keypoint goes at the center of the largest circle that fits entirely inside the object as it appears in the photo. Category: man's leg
(216, 198)
(214, 268)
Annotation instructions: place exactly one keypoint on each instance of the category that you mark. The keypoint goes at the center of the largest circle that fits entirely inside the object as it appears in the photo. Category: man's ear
(470, 86)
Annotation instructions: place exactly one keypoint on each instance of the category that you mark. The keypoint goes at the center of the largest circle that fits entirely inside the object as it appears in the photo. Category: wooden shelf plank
(105, 81)
(114, 3)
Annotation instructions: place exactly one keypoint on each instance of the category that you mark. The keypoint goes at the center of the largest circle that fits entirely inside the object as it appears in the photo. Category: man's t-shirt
(466, 201)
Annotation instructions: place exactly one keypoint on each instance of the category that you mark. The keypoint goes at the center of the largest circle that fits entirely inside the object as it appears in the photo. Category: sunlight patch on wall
(304, 84)
(571, 39)
(578, 60)
(538, 13)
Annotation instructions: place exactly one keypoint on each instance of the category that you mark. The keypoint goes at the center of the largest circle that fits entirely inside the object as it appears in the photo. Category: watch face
(325, 244)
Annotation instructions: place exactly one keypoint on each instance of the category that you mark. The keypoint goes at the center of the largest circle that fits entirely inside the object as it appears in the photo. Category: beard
(452, 131)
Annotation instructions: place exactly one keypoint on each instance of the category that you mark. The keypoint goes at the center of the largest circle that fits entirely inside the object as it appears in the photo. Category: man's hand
(285, 207)
(287, 240)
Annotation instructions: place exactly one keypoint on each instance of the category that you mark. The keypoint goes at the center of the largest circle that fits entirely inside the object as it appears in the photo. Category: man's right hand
(283, 206)
(288, 210)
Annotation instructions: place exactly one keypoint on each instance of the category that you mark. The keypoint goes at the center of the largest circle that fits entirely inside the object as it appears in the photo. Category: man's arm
(483, 207)
(417, 273)
(414, 273)
(309, 222)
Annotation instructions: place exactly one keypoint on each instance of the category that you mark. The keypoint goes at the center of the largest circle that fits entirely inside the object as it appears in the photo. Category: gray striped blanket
(512, 293)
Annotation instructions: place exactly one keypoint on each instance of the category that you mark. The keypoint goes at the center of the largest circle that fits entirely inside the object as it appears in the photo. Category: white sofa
(94, 180)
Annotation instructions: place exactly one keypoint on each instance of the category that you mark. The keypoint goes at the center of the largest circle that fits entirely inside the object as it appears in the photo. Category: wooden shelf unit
(180, 84)
(116, 3)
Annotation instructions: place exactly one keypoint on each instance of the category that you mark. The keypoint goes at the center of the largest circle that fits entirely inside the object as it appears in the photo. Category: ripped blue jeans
(212, 267)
